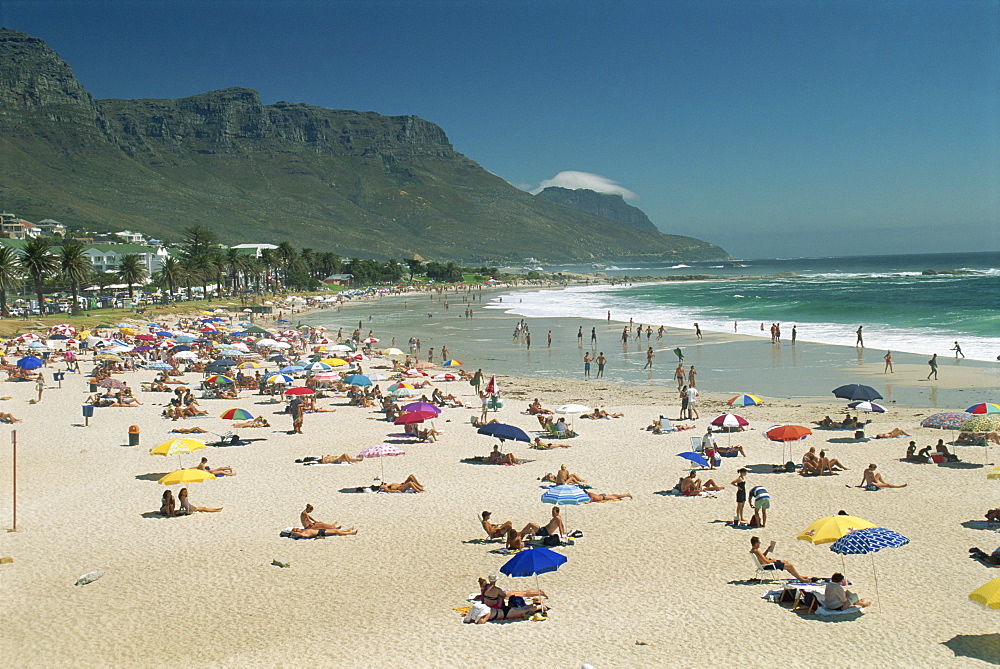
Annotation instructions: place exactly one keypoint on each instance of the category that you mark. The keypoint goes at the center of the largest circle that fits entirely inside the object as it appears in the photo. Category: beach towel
(326, 464)
(820, 611)
(287, 533)
(677, 493)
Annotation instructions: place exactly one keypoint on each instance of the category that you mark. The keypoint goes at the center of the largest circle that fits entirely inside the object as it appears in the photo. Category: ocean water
(900, 307)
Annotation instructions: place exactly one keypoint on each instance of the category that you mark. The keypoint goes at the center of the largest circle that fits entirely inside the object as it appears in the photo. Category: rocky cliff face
(608, 205)
(357, 183)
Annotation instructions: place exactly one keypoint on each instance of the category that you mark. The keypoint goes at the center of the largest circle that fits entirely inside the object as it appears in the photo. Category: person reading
(771, 564)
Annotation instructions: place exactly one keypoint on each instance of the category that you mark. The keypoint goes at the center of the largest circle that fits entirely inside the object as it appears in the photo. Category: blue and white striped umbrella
(565, 494)
(868, 540)
(280, 379)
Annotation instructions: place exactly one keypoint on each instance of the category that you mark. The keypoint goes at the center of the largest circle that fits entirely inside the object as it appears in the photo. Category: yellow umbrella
(108, 356)
(249, 365)
(392, 351)
(185, 477)
(128, 331)
(177, 447)
(995, 474)
(829, 529)
(335, 362)
(988, 595)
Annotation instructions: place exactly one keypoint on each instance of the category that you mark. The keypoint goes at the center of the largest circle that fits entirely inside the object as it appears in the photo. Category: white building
(255, 249)
(130, 237)
(17, 228)
(50, 227)
(107, 257)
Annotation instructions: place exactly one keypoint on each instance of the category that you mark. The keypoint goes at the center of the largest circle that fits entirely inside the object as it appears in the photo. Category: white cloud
(595, 182)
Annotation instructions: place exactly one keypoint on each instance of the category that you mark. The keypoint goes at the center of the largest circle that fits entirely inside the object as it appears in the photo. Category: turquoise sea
(900, 307)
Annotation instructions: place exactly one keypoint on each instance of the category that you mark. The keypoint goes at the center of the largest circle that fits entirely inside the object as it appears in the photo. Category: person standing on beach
(741, 495)
(679, 375)
(586, 365)
(649, 358)
(550, 338)
(861, 341)
(609, 316)
(679, 353)
(40, 386)
(579, 336)
(793, 335)
(697, 331)
(444, 354)
(649, 332)
(958, 351)
(933, 363)
(527, 340)
(295, 408)
(684, 404)
(477, 380)
(691, 374)
(888, 363)
(593, 336)
(692, 397)
(659, 333)
(601, 361)
(624, 336)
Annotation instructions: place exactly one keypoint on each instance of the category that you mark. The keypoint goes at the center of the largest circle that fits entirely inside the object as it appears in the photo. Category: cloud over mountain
(574, 180)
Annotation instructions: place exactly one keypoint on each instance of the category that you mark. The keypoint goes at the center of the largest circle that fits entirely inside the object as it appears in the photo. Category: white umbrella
(186, 355)
(572, 409)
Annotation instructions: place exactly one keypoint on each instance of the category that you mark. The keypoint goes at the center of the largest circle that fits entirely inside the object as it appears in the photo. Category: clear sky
(782, 128)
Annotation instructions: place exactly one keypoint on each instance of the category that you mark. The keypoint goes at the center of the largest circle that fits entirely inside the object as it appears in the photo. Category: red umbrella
(492, 388)
(414, 417)
(300, 390)
(145, 337)
(787, 433)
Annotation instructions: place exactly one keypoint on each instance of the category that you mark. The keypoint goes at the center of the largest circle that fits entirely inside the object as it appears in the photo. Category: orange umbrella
(787, 433)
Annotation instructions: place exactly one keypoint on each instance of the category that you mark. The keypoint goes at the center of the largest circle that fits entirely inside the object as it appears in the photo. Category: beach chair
(763, 575)
(696, 445)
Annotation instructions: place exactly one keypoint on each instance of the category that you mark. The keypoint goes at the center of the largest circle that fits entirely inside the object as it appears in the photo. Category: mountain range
(356, 183)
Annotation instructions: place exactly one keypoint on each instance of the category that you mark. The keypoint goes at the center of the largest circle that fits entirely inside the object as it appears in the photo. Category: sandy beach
(655, 581)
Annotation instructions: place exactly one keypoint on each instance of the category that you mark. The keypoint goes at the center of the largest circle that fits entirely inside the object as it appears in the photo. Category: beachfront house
(107, 257)
(13, 227)
(338, 279)
(51, 228)
(253, 250)
(130, 237)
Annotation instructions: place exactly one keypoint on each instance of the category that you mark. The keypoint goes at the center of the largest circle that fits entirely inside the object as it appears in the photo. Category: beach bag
(551, 540)
(790, 467)
(871, 487)
(754, 521)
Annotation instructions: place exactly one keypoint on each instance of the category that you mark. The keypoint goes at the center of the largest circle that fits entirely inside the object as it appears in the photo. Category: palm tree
(39, 264)
(308, 259)
(10, 275)
(169, 275)
(75, 267)
(131, 270)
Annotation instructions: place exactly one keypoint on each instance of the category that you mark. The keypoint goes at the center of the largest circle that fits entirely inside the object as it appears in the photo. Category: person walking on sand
(697, 331)
(679, 375)
(624, 336)
(933, 363)
(649, 358)
(679, 353)
(40, 386)
(593, 336)
(861, 340)
(601, 361)
(586, 365)
(297, 411)
(958, 351)
(888, 363)
(691, 374)
(527, 340)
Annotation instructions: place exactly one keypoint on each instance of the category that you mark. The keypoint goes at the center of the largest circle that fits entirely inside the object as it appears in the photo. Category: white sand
(665, 571)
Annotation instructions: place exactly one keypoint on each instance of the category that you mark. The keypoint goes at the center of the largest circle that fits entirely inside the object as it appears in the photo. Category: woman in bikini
(186, 508)
(741, 494)
(411, 483)
(595, 497)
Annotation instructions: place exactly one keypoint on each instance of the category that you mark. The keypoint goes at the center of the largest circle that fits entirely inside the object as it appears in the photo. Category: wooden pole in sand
(13, 434)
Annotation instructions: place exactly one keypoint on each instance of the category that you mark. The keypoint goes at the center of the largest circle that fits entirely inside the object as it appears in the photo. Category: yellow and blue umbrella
(745, 401)
(984, 408)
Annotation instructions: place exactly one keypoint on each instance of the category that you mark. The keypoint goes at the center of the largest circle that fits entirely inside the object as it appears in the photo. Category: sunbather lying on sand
(894, 432)
(597, 497)
(225, 471)
(535, 408)
(8, 418)
(410, 483)
(259, 421)
(312, 533)
(540, 445)
(601, 413)
(189, 430)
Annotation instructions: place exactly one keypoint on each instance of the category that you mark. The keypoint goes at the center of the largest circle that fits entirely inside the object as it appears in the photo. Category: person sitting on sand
(771, 564)
(810, 461)
(259, 421)
(838, 598)
(186, 508)
(428, 434)
(993, 515)
(872, 480)
(911, 454)
(831, 465)
(553, 528)
(312, 533)
(545, 421)
(943, 450)
(167, 504)
(895, 432)
(225, 471)
(607, 497)
(563, 477)
(849, 423)
(691, 485)
(310, 523)
(410, 483)
(514, 538)
(8, 418)
(497, 458)
(535, 408)
(540, 445)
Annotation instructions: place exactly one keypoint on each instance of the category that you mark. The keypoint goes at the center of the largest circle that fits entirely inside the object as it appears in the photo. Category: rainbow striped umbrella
(984, 408)
(236, 414)
(218, 379)
(745, 401)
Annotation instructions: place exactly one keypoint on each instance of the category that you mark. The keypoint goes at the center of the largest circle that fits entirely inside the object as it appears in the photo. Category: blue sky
(770, 128)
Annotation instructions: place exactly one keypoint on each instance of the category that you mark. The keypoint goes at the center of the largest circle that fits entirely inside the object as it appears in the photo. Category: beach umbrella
(380, 451)
(696, 458)
(451, 363)
(447, 376)
(357, 380)
(855, 391)
(729, 420)
(369, 340)
(988, 595)
(236, 414)
(390, 351)
(493, 388)
(830, 529)
(225, 362)
(572, 409)
(414, 372)
(278, 379)
(375, 376)
(186, 355)
(316, 367)
(278, 358)
(982, 423)
(405, 392)
(31, 362)
(562, 495)
(414, 417)
(111, 383)
(786, 434)
(868, 407)
(178, 447)
(948, 420)
(249, 365)
(300, 390)
(984, 408)
(335, 362)
(218, 380)
(532, 562)
(292, 369)
(399, 386)
(158, 365)
(503, 432)
(186, 477)
(869, 540)
(422, 406)
(745, 401)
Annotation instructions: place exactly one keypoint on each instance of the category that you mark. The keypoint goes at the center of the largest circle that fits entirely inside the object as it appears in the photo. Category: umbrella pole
(878, 597)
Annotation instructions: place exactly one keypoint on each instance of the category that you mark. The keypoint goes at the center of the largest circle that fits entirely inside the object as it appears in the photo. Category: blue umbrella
(292, 369)
(696, 458)
(532, 562)
(869, 540)
(278, 358)
(58, 336)
(854, 391)
(184, 339)
(565, 494)
(503, 431)
(164, 333)
(357, 380)
(158, 365)
(178, 349)
(29, 362)
(224, 362)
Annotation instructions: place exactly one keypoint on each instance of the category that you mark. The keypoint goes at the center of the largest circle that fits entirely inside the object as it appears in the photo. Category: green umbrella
(982, 423)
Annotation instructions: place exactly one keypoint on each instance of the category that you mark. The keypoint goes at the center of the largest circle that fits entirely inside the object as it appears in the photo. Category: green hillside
(356, 183)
